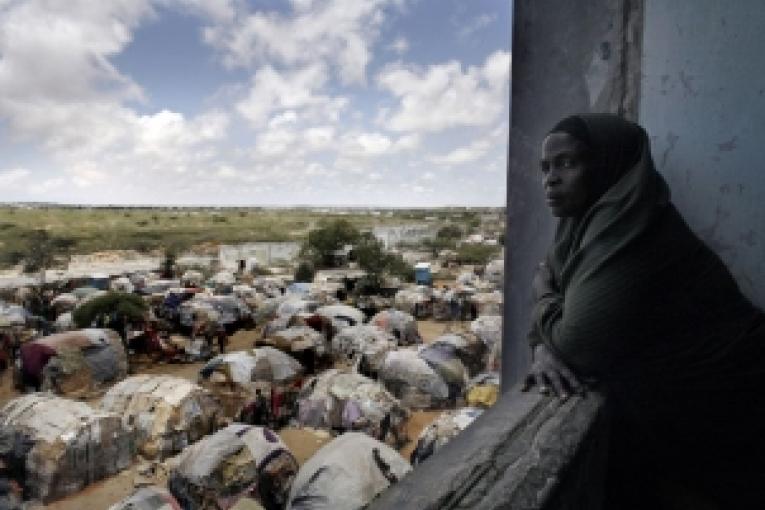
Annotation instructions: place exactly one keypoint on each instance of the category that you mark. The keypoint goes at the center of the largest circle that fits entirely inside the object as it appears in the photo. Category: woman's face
(564, 170)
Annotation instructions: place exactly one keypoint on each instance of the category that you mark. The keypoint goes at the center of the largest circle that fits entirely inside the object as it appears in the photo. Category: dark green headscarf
(631, 193)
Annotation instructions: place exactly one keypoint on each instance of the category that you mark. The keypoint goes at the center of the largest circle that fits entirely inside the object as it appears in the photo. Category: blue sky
(259, 102)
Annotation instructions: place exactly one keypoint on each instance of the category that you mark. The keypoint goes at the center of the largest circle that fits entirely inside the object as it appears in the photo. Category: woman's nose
(551, 178)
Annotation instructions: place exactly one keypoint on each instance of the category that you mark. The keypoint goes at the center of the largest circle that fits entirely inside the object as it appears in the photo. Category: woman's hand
(548, 372)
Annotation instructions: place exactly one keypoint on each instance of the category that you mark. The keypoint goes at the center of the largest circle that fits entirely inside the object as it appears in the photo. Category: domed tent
(233, 377)
(350, 401)
(467, 347)
(234, 463)
(445, 428)
(424, 379)
(148, 498)
(74, 363)
(167, 413)
(364, 343)
(400, 324)
(73, 445)
(346, 474)
(488, 328)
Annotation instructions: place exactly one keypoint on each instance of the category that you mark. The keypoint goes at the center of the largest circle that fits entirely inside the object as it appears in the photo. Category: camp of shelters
(240, 389)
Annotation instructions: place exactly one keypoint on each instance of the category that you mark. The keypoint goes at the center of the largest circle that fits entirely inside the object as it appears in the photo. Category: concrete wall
(568, 57)
(265, 253)
(703, 103)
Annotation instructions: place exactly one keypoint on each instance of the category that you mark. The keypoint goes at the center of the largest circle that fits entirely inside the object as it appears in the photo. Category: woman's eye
(568, 163)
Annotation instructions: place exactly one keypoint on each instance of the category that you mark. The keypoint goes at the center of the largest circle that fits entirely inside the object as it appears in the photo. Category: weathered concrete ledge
(527, 452)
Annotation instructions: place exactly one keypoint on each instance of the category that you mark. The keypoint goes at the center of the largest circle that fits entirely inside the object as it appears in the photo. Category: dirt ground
(303, 443)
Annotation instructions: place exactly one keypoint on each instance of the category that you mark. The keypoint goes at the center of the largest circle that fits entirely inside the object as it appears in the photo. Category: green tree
(476, 253)
(449, 232)
(325, 240)
(304, 272)
(371, 256)
(42, 250)
(120, 304)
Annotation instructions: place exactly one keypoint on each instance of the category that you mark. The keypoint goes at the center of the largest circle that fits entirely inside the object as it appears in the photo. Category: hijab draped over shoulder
(647, 309)
(637, 292)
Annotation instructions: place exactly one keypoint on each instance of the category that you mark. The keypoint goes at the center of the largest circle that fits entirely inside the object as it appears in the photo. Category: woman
(630, 299)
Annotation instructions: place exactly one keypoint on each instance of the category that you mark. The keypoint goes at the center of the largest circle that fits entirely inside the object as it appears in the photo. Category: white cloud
(400, 45)
(275, 91)
(12, 176)
(338, 32)
(476, 24)
(443, 96)
(467, 154)
(319, 137)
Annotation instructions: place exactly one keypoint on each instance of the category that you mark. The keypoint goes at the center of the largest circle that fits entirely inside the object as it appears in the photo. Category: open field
(89, 229)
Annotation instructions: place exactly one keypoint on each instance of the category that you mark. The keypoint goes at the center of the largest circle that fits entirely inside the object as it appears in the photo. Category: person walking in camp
(256, 412)
(222, 338)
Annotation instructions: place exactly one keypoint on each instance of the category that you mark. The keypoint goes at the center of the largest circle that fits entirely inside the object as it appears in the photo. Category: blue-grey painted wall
(703, 103)
(568, 57)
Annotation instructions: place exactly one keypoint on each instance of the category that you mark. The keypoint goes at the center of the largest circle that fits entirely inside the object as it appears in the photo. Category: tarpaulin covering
(442, 430)
(400, 324)
(235, 462)
(444, 359)
(346, 474)
(341, 316)
(347, 400)
(468, 348)
(488, 328)
(411, 379)
(167, 413)
(483, 390)
(148, 498)
(298, 338)
(83, 361)
(415, 301)
(74, 445)
(366, 340)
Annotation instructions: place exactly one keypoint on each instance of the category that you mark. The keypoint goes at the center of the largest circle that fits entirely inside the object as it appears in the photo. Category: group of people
(272, 411)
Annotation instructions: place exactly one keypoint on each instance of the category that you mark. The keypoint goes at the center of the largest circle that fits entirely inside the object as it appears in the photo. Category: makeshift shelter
(64, 322)
(297, 339)
(122, 284)
(467, 347)
(73, 445)
(441, 431)
(64, 302)
(293, 305)
(192, 278)
(167, 413)
(488, 303)
(488, 328)
(415, 301)
(341, 316)
(346, 474)
(239, 461)
(74, 363)
(422, 383)
(350, 401)
(233, 377)
(148, 498)
(400, 324)
(483, 390)
(365, 343)
(494, 273)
